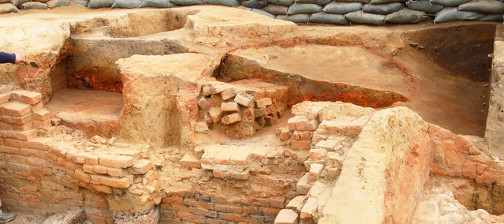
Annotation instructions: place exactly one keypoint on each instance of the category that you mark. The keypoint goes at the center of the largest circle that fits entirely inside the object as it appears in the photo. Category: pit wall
(375, 12)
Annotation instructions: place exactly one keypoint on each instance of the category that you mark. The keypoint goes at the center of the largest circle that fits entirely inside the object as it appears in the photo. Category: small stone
(55, 121)
(229, 107)
(201, 127)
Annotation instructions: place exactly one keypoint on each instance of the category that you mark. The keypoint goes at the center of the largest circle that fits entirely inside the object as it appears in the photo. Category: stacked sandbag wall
(339, 12)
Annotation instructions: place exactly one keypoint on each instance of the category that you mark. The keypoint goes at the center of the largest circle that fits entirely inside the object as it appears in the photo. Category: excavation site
(277, 111)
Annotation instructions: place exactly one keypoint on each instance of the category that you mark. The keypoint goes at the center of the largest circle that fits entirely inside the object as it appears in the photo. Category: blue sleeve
(7, 58)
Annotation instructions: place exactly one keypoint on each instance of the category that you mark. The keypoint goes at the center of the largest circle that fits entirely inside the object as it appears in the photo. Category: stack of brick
(327, 130)
(240, 109)
(195, 207)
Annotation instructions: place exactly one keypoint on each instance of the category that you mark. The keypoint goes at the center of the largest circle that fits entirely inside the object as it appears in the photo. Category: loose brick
(116, 172)
(27, 97)
(41, 115)
(100, 169)
(215, 113)
(317, 154)
(217, 89)
(296, 203)
(240, 156)
(140, 167)
(206, 91)
(22, 120)
(286, 216)
(228, 94)
(262, 103)
(103, 189)
(303, 185)
(190, 161)
(309, 209)
(243, 100)
(8, 149)
(4, 98)
(315, 170)
(229, 107)
(116, 161)
(15, 109)
(14, 143)
(80, 175)
(204, 104)
(92, 159)
(301, 144)
(284, 135)
(277, 202)
(260, 112)
(231, 119)
(116, 183)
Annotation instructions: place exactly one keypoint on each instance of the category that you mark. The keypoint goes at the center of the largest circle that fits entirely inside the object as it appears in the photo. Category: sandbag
(4, 1)
(424, 5)
(232, 3)
(7, 7)
(33, 5)
(365, 18)
(449, 3)
(187, 2)
(361, 1)
(493, 17)
(255, 4)
(81, 2)
(318, 2)
(483, 6)
(58, 3)
(276, 9)
(385, 1)
(286, 2)
(304, 9)
(342, 7)
(94, 4)
(322, 17)
(262, 12)
(449, 14)
(18, 2)
(406, 16)
(127, 4)
(43, 1)
(299, 18)
(157, 4)
(383, 9)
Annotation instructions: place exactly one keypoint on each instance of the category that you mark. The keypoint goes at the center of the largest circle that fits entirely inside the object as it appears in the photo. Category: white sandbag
(424, 5)
(365, 18)
(406, 15)
(322, 17)
(483, 6)
(383, 9)
(342, 7)
(450, 14)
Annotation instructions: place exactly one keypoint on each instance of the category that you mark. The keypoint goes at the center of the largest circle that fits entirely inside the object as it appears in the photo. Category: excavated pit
(132, 77)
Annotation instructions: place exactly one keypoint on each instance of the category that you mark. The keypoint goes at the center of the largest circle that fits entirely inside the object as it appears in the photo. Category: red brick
(262, 103)
(6, 126)
(4, 98)
(204, 104)
(95, 179)
(41, 115)
(92, 160)
(243, 100)
(190, 217)
(204, 212)
(215, 114)
(115, 182)
(103, 189)
(37, 143)
(277, 202)
(8, 149)
(27, 97)
(301, 144)
(22, 120)
(190, 160)
(45, 124)
(34, 161)
(230, 107)
(79, 174)
(231, 217)
(15, 158)
(28, 152)
(88, 168)
(15, 109)
(100, 169)
(199, 204)
(22, 127)
(116, 172)
(116, 161)
(228, 208)
(231, 119)
(7, 119)
(25, 135)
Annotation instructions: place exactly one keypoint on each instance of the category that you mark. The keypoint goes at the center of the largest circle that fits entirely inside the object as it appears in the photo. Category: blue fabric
(7, 58)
